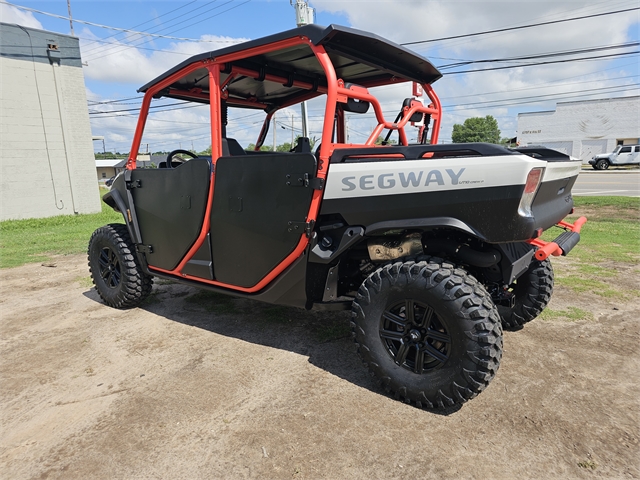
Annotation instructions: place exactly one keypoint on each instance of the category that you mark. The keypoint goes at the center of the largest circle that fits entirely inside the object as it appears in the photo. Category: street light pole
(305, 15)
(70, 18)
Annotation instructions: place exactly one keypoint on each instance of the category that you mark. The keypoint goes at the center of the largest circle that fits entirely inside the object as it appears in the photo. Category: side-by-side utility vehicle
(434, 248)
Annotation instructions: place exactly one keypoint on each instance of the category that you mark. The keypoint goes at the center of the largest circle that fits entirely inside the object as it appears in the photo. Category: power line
(531, 25)
(134, 109)
(158, 29)
(539, 86)
(167, 110)
(576, 97)
(544, 63)
(126, 30)
(585, 10)
(541, 97)
(187, 26)
(117, 44)
(93, 102)
(151, 20)
(542, 55)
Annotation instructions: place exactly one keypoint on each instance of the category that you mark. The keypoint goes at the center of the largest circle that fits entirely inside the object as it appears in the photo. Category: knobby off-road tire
(428, 331)
(114, 268)
(602, 164)
(532, 291)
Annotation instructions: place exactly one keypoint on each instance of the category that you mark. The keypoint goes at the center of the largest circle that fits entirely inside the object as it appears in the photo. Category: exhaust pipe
(463, 252)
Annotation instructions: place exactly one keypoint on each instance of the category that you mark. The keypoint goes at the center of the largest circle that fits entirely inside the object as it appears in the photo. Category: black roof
(358, 57)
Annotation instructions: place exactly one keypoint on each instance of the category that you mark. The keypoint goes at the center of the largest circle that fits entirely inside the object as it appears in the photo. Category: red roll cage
(340, 65)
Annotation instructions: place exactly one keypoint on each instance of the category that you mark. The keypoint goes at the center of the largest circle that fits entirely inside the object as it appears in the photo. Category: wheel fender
(419, 223)
(115, 201)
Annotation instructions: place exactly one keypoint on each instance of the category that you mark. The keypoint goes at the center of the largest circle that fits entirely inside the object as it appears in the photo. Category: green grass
(610, 238)
(572, 314)
(611, 234)
(620, 202)
(594, 270)
(85, 281)
(581, 284)
(38, 239)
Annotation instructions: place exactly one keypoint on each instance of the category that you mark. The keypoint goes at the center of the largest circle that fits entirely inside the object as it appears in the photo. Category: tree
(263, 148)
(477, 129)
(380, 141)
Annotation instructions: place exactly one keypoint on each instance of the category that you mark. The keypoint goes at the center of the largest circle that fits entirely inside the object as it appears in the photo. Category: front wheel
(602, 164)
(428, 331)
(116, 273)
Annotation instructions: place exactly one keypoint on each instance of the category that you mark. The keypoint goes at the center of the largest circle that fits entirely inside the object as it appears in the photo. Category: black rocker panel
(170, 204)
(251, 211)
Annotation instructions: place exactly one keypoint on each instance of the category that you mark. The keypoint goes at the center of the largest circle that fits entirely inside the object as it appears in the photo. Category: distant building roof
(110, 162)
(592, 101)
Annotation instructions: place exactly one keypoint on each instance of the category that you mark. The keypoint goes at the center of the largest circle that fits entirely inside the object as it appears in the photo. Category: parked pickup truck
(434, 248)
(622, 155)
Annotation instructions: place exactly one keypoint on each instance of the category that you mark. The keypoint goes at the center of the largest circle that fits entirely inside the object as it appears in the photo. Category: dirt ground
(193, 385)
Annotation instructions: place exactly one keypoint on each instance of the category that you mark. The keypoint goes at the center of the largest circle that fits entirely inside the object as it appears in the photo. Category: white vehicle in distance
(622, 155)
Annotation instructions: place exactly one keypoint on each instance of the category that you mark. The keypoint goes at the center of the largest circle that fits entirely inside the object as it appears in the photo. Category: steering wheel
(173, 153)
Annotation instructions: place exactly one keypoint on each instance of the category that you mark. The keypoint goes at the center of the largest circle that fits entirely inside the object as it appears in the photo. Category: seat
(231, 148)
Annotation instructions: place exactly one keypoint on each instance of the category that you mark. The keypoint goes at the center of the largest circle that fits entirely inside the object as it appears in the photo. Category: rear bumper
(563, 244)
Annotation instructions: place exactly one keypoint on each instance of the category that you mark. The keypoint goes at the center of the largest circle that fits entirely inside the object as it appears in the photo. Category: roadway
(608, 182)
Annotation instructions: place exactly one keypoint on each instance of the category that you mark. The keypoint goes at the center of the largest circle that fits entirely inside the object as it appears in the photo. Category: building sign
(529, 132)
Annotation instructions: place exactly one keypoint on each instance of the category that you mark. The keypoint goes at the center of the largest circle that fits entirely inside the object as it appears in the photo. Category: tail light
(530, 189)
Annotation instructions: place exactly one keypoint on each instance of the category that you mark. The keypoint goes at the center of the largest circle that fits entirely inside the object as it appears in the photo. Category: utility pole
(292, 139)
(346, 128)
(70, 18)
(275, 129)
(305, 15)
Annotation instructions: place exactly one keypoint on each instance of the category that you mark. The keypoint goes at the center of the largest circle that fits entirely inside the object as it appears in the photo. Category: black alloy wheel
(109, 267)
(415, 337)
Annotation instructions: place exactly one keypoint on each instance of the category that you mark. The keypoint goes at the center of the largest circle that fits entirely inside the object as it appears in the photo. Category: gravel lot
(194, 385)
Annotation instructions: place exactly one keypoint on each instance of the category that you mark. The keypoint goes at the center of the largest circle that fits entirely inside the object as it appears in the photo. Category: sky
(117, 63)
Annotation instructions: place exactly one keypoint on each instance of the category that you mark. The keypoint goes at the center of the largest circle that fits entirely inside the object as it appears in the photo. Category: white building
(584, 128)
(46, 152)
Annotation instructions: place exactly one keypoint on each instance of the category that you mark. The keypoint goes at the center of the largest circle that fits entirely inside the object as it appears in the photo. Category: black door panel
(252, 208)
(170, 205)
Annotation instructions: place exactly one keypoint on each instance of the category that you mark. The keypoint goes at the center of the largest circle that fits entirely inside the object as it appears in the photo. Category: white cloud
(9, 14)
(400, 21)
(137, 62)
(410, 20)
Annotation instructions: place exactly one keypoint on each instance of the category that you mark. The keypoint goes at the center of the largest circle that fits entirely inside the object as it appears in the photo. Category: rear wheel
(116, 273)
(532, 292)
(602, 164)
(428, 331)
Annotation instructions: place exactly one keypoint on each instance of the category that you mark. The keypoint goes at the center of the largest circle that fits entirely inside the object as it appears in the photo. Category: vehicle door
(624, 156)
(259, 210)
(170, 204)
(635, 156)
